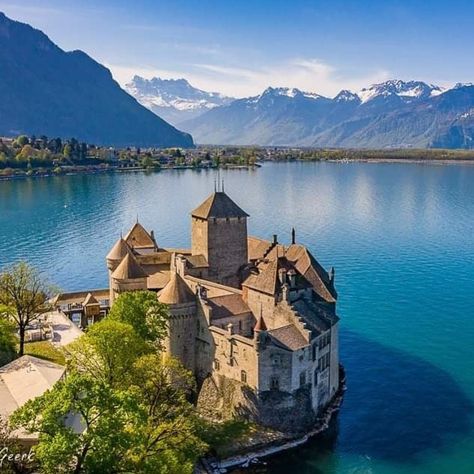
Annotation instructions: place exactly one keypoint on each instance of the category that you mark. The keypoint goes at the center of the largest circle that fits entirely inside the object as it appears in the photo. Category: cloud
(307, 74)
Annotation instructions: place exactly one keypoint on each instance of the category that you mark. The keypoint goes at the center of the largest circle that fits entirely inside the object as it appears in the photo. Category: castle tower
(219, 233)
(180, 342)
(113, 259)
(128, 276)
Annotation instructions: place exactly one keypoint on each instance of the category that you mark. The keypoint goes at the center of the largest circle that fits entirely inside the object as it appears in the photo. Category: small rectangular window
(302, 379)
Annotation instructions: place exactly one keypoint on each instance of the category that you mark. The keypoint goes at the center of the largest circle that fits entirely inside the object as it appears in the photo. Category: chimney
(282, 275)
(180, 265)
(285, 291)
(293, 236)
(292, 276)
(275, 239)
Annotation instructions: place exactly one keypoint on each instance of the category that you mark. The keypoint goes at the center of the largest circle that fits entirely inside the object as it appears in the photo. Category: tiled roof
(139, 237)
(257, 248)
(197, 261)
(289, 337)
(227, 305)
(176, 291)
(218, 205)
(129, 269)
(118, 251)
(308, 266)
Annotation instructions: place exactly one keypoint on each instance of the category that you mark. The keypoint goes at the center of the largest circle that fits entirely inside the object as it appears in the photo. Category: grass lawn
(45, 350)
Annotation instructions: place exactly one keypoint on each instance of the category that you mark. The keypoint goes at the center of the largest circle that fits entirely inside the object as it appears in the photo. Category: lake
(401, 237)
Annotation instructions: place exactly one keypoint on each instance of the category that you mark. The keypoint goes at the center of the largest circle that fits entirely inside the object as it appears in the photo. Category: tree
(84, 425)
(23, 289)
(168, 439)
(144, 425)
(7, 338)
(107, 352)
(21, 141)
(143, 311)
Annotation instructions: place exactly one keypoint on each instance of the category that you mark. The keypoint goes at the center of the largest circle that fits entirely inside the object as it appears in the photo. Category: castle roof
(176, 291)
(139, 237)
(129, 269)
(118, 251)
(289, 337)
(226, 306)
(260, 326)
(257, 248)
(218, 205)
(90, 299)
(308, 266)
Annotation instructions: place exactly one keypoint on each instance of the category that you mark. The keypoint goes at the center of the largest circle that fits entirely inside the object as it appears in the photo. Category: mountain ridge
(46, 90)
(392, 114)
(176, 100)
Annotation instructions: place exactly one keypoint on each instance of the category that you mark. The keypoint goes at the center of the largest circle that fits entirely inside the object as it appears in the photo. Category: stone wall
(224, 244)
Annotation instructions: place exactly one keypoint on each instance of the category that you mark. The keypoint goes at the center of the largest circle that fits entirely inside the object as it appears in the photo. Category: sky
(241, 47)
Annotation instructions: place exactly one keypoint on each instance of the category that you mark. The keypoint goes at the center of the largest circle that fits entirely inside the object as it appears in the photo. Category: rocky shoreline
(251, 454)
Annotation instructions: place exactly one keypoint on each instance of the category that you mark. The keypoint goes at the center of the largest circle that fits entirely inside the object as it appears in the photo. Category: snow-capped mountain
(407, 91)
(390, 114)
(175, 100)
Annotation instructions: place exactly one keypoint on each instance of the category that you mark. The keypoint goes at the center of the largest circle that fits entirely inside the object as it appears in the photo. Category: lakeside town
(33, 156)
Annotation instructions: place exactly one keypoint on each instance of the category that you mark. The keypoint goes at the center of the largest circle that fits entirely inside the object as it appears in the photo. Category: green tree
(168, 435)
(107, 352)
(67, 151)
(84, 425)
(143, 311)
(21, 141)
(7, 337)
(25, 291)
(143, 425)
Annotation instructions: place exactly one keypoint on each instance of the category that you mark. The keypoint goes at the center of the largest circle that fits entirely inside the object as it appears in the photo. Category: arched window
(274, 383)
(243, 376)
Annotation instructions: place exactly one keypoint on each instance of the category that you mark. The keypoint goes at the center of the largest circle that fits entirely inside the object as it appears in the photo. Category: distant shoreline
(79, 172)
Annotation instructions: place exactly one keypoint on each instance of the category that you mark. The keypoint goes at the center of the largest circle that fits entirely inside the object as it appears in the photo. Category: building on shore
(253, 319)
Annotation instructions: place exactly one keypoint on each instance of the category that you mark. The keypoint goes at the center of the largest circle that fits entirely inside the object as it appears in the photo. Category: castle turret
(180, 342)
(128, 276)
(113, 259)
(219, 233)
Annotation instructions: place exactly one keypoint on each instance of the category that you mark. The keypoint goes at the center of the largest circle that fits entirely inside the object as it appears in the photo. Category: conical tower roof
(118, 251)
(139, 237)
(176, 291)
(260, 326)
(129, 269)
(218, 205)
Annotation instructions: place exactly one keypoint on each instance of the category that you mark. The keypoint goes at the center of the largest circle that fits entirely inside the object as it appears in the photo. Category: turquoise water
(401, 237)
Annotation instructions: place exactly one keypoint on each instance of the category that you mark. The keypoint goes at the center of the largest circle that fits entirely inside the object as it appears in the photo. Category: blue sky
(241, 47)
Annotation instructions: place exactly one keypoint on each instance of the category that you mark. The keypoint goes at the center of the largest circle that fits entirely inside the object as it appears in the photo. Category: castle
(254, 320)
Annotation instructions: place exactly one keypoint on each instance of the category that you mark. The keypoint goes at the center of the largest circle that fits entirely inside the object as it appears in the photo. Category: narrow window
(274, 383)
(217, 364)
(243, 376)
(302, 379)
(314, 352)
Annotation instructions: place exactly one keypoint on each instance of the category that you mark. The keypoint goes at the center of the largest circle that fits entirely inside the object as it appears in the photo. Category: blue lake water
(401, 237)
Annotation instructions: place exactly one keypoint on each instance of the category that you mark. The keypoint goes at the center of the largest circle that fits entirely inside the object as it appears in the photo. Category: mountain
(45, 90)
(390, 114)
(174, 99)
